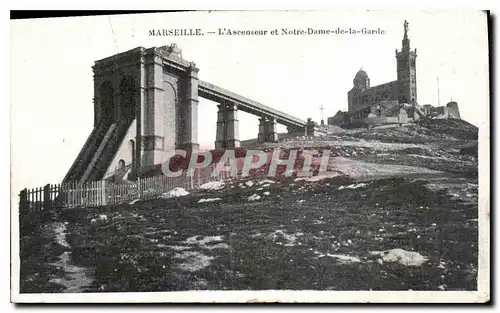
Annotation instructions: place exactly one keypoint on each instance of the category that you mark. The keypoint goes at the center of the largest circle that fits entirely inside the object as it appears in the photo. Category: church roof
(361, 74)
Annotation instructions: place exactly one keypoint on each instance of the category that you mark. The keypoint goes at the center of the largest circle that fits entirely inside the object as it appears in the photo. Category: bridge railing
(244, 100)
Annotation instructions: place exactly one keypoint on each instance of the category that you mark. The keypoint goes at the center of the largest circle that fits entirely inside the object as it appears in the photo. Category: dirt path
(75, 278)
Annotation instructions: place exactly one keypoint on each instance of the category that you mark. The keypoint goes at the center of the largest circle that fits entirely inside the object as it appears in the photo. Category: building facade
(362, 97)
(392, 102)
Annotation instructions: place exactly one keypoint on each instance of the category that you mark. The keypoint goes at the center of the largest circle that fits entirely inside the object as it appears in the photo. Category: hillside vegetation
(397, 210)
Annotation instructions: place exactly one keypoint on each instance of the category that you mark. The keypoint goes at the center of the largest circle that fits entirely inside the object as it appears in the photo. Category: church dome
(361, 80)
(361, 75)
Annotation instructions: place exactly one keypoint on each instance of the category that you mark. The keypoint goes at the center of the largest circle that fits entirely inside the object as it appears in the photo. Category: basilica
(392, 102)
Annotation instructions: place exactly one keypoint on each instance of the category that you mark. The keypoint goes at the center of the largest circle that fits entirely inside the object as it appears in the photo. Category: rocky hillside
(396, 211)
(444, 145)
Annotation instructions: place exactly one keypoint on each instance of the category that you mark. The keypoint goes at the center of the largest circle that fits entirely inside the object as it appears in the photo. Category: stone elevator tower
(145, 105)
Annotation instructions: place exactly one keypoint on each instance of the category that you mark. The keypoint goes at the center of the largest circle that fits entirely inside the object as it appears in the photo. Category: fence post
(139, 188)
(23, 201)
(47, 203)
(102, 189)
(38, 199)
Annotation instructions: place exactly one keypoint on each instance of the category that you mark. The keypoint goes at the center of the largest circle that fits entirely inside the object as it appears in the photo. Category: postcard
(251, 156)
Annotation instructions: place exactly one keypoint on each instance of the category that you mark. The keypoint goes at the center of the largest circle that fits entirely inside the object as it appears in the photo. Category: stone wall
(451, 110)
(382, 120)
(359, 99)
(386, 108)
(337, 119)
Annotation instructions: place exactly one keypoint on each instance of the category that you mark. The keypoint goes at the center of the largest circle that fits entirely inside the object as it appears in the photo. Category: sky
(52, 83)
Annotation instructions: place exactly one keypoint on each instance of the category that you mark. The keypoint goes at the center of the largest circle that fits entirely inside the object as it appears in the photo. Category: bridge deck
(215, 93)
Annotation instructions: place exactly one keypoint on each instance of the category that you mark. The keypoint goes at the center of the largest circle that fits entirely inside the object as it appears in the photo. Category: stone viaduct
(146, 105)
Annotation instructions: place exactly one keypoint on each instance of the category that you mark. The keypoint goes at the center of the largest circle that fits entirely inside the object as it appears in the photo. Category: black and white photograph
(251, 156)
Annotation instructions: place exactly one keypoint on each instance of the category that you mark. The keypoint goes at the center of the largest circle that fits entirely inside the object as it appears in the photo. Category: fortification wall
(382, 120)
(443, 111)
(338, 119)
(388, 108)
(453, 110)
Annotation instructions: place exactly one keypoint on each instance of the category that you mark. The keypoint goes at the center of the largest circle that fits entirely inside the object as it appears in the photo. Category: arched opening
(127, 98)
(106, 98)
(171, 121)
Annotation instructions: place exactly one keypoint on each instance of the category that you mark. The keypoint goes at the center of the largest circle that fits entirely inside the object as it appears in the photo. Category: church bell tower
(407, 76)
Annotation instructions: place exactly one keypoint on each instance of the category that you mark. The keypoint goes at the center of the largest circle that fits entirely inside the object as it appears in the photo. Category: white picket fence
(100, 193)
